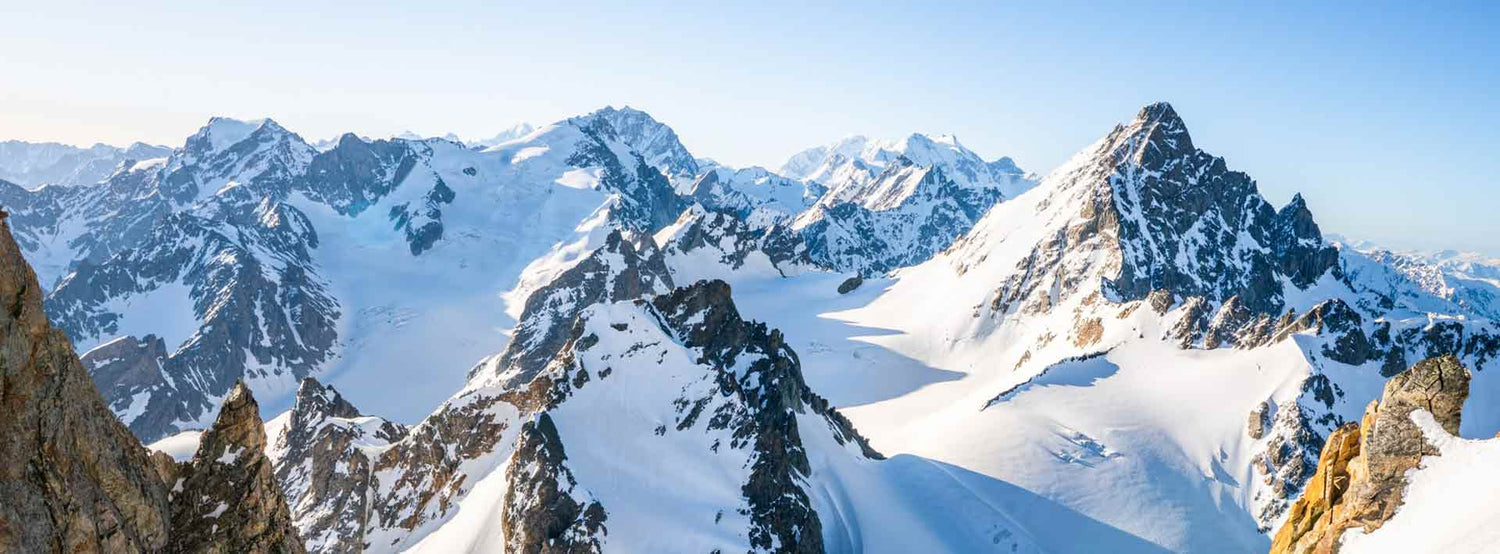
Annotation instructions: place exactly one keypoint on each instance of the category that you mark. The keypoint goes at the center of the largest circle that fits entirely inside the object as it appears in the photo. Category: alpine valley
(583, 337)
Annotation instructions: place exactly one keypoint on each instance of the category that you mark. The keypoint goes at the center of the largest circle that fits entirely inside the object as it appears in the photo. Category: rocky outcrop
(1260, 420)
(324, 459)
(541, 513)
(1288, 459)
(226, 499)
(1361, 475)
(72, 478)
(850, 284)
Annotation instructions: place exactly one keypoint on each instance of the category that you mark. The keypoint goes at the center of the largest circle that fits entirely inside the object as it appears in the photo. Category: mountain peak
(1158, 111)
(239, 418)
(655, 141)
(220, 133)
(1161, 127)
(324, 400)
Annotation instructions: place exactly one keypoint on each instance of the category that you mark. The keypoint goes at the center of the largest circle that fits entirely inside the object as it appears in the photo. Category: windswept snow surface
(397, 306)
(1141, 449)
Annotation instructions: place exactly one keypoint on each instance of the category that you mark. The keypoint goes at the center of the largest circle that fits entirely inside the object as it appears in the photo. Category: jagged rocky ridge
(732, 392)
(323, 451)
(226, 499)
(75, 480)
(608, 359)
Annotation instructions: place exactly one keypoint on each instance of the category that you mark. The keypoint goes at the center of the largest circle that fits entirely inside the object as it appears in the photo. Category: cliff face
(72, 477)
(1361, 475)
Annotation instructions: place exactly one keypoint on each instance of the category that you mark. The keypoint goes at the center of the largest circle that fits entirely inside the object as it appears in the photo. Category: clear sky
(1386, 117)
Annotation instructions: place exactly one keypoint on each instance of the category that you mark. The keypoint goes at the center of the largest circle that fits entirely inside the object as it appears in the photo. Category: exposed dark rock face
(323, 461)
(1290, 457)
(1165, 190)
(656, 143)
(1361, 476)
(541, 514)
(423, 224)
(647, 199)
(427, 468)
(226, 499)
(617, 271)
(72, 477)
(1166, 214)
(355, 174)
(772, 392)
(271, 313)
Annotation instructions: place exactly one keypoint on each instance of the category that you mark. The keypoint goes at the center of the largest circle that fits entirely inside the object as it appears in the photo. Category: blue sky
(1385, 117)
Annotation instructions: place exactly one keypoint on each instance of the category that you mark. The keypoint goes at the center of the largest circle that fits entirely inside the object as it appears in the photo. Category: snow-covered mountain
(758, 197)
(252, 255)
(586, 338)
(1109, 333)
(33, 165)
(848, 167)
(1467, 279)
(891, 204)
(618, 365)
